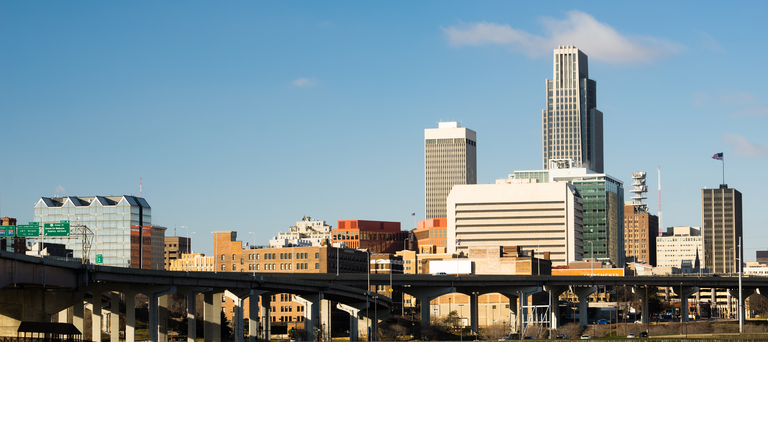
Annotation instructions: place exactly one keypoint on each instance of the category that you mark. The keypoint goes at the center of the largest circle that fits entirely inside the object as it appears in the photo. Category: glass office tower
(603, 209)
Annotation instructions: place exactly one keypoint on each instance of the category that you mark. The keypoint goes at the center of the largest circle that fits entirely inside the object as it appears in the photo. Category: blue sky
(247, 116)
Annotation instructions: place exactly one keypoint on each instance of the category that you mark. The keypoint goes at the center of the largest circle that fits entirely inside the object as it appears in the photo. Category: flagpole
(723, 160)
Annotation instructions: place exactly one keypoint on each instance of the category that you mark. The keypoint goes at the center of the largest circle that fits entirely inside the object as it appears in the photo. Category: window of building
(223, 257)
(317, 266)
(223, 267)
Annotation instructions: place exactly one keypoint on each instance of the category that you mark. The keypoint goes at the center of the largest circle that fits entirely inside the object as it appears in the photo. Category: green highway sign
(7, 230)
(31, 230)
(99, 259)
(60, 229)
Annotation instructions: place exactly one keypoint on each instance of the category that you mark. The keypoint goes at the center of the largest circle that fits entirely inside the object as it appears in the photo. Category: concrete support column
(713, 303)
(255, 325)
(514, 313)
(426, 310)
(253, 317)
(130, 316)
(354, 319)
(473, 313)
(153, 318)
(266, 318)
(162, 318)
(212, 316)
(114, 317)
(192, 316)
(96, 317)
(63, 315)
(554, 305)
(583, 293)
(312, 316)
(78, 314)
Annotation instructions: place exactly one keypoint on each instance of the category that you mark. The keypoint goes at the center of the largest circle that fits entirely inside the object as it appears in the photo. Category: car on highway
(529, 337)
(643, 334)
(586, 337)
(631, 336)
(603, 321)
(561, 336)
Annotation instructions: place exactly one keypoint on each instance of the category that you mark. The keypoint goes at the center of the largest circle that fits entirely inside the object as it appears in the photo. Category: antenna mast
(661, 223)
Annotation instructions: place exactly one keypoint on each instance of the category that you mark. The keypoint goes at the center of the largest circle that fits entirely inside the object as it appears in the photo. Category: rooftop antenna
(661, 220)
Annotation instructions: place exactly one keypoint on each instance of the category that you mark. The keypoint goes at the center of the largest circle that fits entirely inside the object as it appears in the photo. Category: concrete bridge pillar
(473, 312)
(239, 312)
(317, 315)
(130, 316)
(514, 314)
(114, 316)
(425, 297)
(192, 316)
(554, 305)
(266, 318)
(583, 293)
(254, 323)
(96, 317)
(644, 293)
(685, 293)
(212, 316)
(354, 319)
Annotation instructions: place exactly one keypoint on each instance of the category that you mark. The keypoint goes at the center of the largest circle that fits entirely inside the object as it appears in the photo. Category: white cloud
(304, 82)
(710, 43)
(60, 191)
(598, 40)
(749, 105)
(744, 147)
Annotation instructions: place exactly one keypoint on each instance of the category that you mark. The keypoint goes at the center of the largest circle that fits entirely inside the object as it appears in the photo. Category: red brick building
(375, 236)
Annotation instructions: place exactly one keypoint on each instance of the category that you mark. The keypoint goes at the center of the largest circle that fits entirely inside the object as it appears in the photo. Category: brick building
(286, 314)
(640, 233)
(375, 236)
(431, 232)
(12, 244)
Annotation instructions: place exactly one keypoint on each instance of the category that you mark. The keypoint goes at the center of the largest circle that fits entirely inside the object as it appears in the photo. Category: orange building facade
(431, 232)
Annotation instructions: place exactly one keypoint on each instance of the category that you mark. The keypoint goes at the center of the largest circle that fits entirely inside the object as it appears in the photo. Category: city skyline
(260, 114)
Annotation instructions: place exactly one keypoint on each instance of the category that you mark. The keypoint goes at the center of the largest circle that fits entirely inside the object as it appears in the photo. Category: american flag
(413, 214)
(718, 156)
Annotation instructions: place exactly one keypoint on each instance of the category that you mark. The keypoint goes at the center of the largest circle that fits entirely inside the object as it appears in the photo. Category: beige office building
(679, 244)
(450, 158)
(542, 217)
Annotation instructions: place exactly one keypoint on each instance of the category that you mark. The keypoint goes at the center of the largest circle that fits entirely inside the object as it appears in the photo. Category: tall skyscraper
(450, 158)
(572, 125)
(721, 220)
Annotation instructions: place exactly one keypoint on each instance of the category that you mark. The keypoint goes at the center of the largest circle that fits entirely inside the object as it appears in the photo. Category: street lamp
(215, 269)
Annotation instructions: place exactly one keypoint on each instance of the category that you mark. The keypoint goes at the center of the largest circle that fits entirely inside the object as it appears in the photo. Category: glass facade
(603, 209)
(120, 226)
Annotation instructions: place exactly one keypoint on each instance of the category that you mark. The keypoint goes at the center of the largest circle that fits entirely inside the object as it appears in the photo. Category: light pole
(215, 265)
(254, 255)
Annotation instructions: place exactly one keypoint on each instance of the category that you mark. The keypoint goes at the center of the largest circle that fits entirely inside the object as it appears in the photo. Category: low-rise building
(306, 232)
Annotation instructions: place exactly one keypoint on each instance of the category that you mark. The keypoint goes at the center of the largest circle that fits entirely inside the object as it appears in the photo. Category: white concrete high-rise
(544, 217)
(572, 125)
(450, 158)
